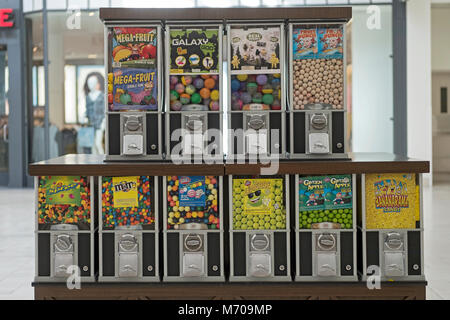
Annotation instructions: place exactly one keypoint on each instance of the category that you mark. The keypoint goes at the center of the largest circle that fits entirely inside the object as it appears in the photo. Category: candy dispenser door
(195, 126)
(260, 265)
(256, 137)
(394, 264)
(194, 264)
(128, 256)
(326, 254)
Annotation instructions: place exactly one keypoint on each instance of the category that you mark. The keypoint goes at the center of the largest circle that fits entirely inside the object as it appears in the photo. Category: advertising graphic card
(304, 43)
(338, 192)
(125, 192)
(63, 190)
(194, 51)
(192, 191)
(311, 193)
(331, 44)
(255, 49)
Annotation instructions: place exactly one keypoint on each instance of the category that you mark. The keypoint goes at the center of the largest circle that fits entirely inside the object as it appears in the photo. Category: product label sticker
(192, 191)
(311, 193)
(391, 201)
(259, 196)
(63, 190)
(194, 50)
(331, 44)
(134, 47)
(125, 192)
(255, 49)
(338, 192)
(135, 89)
(304, 43)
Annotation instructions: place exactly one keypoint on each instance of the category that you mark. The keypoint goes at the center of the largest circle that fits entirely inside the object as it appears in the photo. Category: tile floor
(17, 242)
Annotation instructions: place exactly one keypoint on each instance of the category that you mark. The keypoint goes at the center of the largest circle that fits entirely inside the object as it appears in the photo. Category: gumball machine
(256, 89)
(65, 236)
(194, 91)
(325, 235)
(259, 228)
(128, 229)
(391, 226)
(133, 96)
(317, 81)
(193, 231)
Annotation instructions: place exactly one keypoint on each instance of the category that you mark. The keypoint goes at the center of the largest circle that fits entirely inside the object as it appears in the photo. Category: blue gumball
(246, 97)
(235, 85)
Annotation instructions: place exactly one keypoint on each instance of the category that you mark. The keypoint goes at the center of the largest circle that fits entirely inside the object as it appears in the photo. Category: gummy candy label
(304, 43)
(330, 43)
(134, 47)
(259, 195)
(63, 190)
(135, 89)
(194, 50)
(125, 192)
(311, 193)
(192, 191)
(255, 49)
(338, 192)
(391, 201)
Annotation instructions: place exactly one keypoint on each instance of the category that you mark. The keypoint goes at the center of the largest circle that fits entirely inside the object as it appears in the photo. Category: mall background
(51, 61)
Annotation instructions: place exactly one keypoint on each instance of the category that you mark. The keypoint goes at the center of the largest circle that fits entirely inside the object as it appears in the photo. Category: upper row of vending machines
(280, 88)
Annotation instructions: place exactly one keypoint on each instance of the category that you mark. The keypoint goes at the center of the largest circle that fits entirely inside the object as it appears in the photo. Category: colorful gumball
(210, 83)
(214, 106)
(205, 93)
(257, 98)
(179, 88)
(196, 98)
(267, 99)
(252, 87)
(215, 95)
(185, 98)
(190, 89)
(261, 79)
(242, 77)
(276, 105)
(235, 85)
(175, 105)
(246, 97)
(267, 89)
(174, 95)
(198, 83)
(277, 75)
(186, 80)
(205, 76)
(173, 80)
(243, 86)
(237, 104)
(206, 102)
(251, 78)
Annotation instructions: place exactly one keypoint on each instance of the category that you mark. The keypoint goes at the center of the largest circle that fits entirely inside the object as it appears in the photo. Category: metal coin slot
(259, 242)
(193, 243)
(319, 121)
(394, 242)
(63, 243)
(256, 122)
(326, 242)
(128, 243)
(194, 123)
(133, 123)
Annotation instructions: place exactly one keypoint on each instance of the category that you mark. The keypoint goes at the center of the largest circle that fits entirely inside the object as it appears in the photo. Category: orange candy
(210, 83)
(205, 93)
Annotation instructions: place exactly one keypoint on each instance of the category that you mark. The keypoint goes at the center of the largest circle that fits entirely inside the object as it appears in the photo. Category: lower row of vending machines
(235, 228)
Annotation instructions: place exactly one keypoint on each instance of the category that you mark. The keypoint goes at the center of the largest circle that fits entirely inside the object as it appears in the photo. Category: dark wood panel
(291, 291)
(301, 13)
(358, 163)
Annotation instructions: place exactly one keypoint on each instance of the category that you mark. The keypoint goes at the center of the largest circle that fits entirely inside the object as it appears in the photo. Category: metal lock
(260, 257)
(193, 255)
(128, 255)
(326, 257)
(133, 135)
(63, 249)
(394, 254)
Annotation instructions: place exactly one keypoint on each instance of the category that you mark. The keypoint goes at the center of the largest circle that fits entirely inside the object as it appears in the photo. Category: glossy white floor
(17, 242)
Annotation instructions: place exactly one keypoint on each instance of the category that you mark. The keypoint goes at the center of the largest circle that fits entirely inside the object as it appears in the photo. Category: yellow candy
(242, 77)
(215, 95)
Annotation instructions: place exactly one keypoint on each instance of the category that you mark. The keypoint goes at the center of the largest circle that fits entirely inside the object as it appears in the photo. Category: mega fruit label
(338, 191)
(311, 193)
(134, 89)
(194, 51)
(192, 191)
(255, 49)
(63, 190)
(304, 43)
(134, 47)
(125, 193)
(391, 201)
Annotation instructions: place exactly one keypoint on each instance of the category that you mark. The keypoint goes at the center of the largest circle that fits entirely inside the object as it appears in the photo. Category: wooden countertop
(94, 165)
(236, 13)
